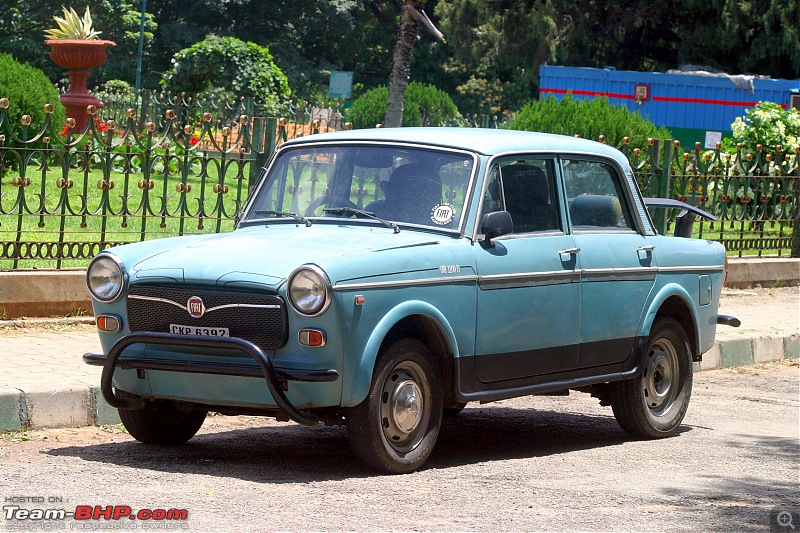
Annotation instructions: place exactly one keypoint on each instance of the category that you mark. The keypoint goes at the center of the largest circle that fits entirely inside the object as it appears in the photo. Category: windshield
(375, 183)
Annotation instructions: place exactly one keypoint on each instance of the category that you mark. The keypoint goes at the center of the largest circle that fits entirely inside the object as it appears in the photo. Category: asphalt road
(546, 463)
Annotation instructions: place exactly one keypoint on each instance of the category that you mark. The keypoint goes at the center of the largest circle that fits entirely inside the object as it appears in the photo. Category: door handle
(646, 248)
(570, 251)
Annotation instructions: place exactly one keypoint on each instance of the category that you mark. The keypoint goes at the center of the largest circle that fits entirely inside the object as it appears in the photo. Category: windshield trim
(245, 221)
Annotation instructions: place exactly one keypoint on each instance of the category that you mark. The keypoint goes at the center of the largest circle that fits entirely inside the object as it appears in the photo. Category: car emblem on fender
(195, 306)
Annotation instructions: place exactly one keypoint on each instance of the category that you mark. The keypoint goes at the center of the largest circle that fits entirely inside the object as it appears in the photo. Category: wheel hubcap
(407, 406)
(660, 379)
(403, 408)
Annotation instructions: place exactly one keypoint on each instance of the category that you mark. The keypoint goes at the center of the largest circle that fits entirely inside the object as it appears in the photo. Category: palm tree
(410, 21)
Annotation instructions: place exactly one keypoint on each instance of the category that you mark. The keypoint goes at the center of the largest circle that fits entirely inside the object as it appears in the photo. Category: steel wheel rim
(404, 412)
(660, 383)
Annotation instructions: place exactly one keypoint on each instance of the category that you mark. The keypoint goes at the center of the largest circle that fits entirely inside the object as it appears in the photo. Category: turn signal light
(109, 323)
(313, 338)
(727, 269)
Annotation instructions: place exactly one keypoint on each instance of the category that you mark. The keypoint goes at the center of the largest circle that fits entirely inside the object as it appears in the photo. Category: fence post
(661, 216)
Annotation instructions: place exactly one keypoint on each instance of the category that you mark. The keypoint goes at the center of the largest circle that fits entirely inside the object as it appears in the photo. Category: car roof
(480, 140)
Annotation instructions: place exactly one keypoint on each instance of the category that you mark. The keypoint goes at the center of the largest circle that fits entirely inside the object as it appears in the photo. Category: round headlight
(308, 291)
(104, 278)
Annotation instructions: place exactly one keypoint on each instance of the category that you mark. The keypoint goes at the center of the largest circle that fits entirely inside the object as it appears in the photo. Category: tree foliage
(24, 22)
(246, 69)
(587, 118)
(28, 89)
(490, 62)
(424, 105)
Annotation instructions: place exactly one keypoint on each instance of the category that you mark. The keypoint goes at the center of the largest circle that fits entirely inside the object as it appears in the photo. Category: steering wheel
(323, 200)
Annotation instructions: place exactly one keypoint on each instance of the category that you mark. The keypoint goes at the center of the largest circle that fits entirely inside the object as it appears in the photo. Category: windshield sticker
(443, 214)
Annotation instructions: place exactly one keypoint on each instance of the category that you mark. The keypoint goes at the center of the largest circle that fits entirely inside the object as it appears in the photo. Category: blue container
(696, 108)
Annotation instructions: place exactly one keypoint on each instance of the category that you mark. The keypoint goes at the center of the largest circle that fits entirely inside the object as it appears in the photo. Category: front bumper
(266, 370)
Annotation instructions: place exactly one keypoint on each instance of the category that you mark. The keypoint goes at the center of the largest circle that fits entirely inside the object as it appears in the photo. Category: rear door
(618, 265)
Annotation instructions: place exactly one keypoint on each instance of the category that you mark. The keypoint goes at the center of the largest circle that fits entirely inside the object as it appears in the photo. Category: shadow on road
(745, 502)
(292, 453)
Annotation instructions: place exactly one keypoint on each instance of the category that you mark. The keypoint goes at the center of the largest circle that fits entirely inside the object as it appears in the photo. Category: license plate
(203, 331)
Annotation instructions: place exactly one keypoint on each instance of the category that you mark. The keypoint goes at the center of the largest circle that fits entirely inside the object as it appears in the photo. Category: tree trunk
(401, 68)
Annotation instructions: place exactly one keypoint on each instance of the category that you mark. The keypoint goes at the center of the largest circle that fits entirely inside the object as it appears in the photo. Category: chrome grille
(258, 318)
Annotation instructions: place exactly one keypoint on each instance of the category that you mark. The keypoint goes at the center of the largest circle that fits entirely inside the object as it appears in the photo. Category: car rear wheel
(161, 421)
(654, 404)
(395, 428)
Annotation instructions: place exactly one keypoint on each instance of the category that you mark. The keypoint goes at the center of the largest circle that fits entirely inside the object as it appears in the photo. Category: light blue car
(385, 278)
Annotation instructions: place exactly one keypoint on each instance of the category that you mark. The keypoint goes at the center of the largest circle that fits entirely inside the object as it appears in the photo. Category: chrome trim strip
(529, 275)
(529, 279)
(629, 270)
(208, 309)
(402, 283)
(699, 269)
(534, 279)
(154, 299)
(619, 274)
(258, 306)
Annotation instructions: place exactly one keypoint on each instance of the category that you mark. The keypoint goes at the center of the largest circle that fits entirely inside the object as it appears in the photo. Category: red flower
(102, 127)
(194, 140)
(64, 131)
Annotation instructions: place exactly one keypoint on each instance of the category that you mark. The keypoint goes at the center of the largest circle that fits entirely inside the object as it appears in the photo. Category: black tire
(161, 421)
(653, 405)
(387, 435)
(453, 410)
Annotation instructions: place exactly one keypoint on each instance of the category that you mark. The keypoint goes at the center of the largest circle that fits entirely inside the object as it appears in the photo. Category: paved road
(547, 463)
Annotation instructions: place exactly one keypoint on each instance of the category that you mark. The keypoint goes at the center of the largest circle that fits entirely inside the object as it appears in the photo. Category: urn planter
(79, 56)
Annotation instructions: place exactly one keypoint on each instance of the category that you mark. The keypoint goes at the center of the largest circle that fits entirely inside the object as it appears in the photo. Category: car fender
(359, 384)
(661, 296)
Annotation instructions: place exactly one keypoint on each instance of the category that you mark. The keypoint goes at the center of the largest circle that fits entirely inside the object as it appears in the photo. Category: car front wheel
(161, 422)
(395, 428)
(654, 404)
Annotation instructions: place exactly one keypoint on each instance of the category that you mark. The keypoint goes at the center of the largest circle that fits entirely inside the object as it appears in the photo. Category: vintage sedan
(382, 278)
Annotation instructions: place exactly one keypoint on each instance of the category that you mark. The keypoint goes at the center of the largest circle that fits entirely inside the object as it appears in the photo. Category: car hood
(265, 255)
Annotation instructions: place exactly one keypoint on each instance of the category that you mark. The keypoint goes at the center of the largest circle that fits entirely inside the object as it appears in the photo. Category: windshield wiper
(368, 214)
(290, 215)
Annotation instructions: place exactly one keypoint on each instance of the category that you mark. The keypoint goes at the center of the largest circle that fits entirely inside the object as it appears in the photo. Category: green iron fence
(754, 195)
(66, 195)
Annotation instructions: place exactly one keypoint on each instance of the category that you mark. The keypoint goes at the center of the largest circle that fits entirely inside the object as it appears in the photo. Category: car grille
(152, 308)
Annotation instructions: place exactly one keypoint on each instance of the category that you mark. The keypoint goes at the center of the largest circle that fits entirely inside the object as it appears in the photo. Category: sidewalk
(44, 382)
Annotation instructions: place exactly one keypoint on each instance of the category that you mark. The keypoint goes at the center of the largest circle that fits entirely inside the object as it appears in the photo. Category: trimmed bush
(228, 63)
(28, 90)
(588, 119)
(424, 105)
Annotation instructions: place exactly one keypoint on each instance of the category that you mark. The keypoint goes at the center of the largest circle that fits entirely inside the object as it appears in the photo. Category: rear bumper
(266, 370)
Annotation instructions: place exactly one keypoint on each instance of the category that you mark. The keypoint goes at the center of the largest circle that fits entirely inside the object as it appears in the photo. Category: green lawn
(86, 213)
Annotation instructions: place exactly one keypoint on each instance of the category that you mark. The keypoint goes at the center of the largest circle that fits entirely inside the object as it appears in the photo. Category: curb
(79, 404)
(68, 405)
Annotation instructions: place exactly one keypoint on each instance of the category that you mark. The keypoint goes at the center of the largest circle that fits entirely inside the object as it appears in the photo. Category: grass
(86, 213)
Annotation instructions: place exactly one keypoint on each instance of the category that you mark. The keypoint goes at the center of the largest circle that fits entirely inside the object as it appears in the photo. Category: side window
(595, 196)
(529, 194)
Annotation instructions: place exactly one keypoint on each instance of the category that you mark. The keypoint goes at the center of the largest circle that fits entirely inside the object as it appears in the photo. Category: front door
(529, 281)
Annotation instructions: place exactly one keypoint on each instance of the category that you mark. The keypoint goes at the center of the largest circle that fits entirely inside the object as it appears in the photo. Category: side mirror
(496, 224)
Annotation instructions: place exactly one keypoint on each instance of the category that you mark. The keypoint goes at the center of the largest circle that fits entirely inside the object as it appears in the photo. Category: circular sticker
(443, 214)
